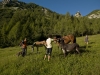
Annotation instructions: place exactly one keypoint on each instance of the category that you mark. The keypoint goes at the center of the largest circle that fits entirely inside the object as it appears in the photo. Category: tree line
(35, 25)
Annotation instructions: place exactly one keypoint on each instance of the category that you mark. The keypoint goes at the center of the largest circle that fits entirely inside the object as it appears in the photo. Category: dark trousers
(49, 51)
(26, 50)
(23, 52)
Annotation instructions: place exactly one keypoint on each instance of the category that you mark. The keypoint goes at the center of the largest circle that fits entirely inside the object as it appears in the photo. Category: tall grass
(88, 63)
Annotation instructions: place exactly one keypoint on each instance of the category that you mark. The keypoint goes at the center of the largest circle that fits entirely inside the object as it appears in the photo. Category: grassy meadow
(88, 63)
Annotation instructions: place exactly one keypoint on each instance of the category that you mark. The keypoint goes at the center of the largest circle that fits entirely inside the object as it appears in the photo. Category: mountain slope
(94, 14)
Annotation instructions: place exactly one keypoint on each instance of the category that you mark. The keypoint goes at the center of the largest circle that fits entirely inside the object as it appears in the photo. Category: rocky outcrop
(45, 11)
(95, 15)
(78, 14)
(6, 2)
(90, 16)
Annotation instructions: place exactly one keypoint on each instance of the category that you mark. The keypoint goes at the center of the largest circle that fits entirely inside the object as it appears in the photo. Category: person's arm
(52, 39)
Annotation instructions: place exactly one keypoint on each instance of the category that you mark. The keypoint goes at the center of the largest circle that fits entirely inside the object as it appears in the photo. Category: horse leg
(32, 48)
(59, 47)
(77, 49)
(64, 52)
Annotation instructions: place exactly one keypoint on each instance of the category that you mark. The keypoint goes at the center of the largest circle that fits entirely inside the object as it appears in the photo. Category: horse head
(56, 37)
(60, 41)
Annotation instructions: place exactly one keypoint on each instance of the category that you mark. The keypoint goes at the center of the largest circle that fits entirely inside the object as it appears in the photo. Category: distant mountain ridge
(15, 4)
(18, 5)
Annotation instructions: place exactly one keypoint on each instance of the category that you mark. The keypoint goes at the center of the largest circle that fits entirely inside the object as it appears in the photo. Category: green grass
(88, 63)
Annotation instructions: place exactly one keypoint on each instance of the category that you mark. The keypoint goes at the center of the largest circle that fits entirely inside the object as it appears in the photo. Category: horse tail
(33, 44)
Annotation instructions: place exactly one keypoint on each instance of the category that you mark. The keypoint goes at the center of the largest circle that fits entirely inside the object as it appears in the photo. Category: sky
(71, 6)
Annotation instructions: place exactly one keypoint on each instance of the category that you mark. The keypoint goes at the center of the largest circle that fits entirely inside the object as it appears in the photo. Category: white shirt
(48, 42)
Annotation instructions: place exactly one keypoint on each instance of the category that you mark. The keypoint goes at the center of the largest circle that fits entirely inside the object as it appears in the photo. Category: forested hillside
(19, 20)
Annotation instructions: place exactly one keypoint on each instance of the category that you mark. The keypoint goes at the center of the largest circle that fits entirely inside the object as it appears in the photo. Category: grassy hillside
(88, 63)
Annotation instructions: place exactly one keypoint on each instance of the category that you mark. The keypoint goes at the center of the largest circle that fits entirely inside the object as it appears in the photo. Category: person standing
(86, 39)
(23, 46)
(25, 42)
(49, 48)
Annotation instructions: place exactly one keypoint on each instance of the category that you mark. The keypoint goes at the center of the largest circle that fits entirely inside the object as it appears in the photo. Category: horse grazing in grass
(66, 48)
(38, 44)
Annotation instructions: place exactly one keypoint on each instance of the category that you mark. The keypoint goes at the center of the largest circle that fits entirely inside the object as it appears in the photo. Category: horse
(55, 37)
(67, 39)
(38, 44)
(66, 48)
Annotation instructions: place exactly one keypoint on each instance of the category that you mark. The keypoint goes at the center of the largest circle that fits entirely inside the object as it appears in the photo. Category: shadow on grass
(32, 53)
(91, 42)
(85, 46)
(82, 49)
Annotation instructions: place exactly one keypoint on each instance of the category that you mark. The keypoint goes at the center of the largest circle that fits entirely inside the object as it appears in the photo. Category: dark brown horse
(66, 48)
(38, 44)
